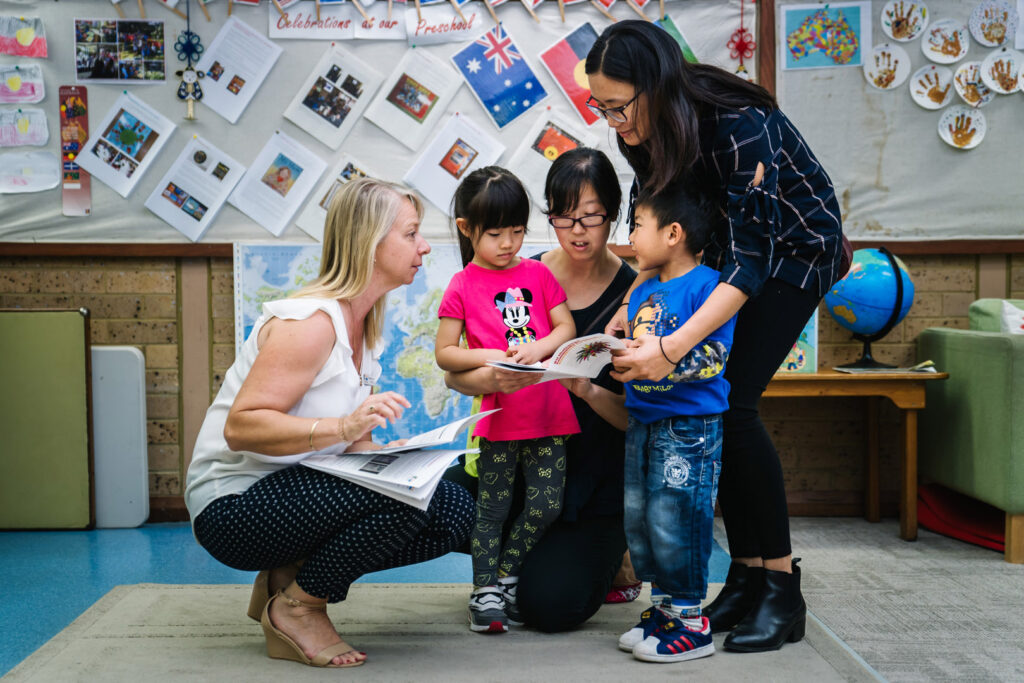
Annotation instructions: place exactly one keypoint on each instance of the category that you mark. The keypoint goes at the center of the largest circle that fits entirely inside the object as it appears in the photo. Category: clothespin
(174, 9)
(230, 3)
(455, 6)
(390, 2)
(419, 13)
(636, 9)
(318, 10)
(280, 10)
(366, 17)
(528, 4)
(487, 4)
(202, 6)
(661, 9)
(117, 6)
(601, 8)
(561, 10)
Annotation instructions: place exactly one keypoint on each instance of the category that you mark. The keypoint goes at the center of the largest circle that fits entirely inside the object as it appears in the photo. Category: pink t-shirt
(502, 308)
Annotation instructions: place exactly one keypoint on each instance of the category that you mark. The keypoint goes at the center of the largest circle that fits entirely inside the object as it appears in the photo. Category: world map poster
(265, 272)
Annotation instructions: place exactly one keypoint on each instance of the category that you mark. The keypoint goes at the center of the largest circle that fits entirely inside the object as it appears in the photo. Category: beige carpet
(412, 632)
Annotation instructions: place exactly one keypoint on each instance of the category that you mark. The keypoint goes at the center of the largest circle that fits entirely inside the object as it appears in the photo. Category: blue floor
(51, 577)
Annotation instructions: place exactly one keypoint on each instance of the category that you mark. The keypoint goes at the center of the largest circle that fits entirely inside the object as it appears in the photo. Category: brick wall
(821, 442)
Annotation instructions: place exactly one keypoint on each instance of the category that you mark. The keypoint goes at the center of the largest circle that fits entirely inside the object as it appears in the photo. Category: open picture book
(580, 357)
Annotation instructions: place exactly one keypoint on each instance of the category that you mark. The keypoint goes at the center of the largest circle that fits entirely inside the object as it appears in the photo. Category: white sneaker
(487, 611)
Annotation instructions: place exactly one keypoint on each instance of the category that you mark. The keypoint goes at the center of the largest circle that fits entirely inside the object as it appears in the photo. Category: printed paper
(333, 96)
(337, 21)
(313, 216)
(439, 24)
(549, 138)
(817, 36)
(236, 64)
(277, 182)
(125, 143)
(565, 61)
(195, 188)
(580, 357)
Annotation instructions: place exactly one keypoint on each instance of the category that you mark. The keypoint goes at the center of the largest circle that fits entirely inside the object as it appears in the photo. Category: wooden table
(906, 391)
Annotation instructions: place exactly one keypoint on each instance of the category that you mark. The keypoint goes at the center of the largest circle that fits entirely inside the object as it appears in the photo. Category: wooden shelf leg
(872, 474)
(1014, 539)
(908, 494)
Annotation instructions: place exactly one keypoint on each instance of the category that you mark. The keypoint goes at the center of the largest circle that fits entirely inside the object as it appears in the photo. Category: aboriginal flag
(565, 61)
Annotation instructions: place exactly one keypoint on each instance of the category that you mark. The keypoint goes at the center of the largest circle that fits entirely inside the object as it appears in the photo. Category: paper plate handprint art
(962, 127)
(993, 22)
(887, 67)
(945, 41)
(904, 21)
(1001, 70)
(970, 87)
(931, 86)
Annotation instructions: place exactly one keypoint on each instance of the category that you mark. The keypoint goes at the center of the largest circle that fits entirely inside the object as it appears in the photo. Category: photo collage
(119, 50)
(332, 97)
(412, 97)
(125, 143)
(182, 199)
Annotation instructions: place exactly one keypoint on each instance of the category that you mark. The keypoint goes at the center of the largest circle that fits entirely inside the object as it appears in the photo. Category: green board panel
(45, 461)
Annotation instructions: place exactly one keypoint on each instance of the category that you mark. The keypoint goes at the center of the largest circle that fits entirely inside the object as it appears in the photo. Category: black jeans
(565, 577)
(751, 492)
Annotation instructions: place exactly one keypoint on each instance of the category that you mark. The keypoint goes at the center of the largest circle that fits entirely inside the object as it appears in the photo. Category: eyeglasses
(591, 220)
(616, 114)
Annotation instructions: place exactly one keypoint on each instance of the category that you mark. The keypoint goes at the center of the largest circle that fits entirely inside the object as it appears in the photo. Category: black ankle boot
(780, 615)
(739, 595)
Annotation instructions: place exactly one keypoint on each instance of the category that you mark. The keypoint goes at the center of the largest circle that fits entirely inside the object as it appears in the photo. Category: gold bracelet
(340, 431)
(311, 430)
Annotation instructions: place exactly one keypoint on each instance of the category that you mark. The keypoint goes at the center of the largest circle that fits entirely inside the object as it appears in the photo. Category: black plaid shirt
(788, 227)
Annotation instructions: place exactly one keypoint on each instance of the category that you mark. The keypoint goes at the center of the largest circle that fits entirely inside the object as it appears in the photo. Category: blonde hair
(358, 219)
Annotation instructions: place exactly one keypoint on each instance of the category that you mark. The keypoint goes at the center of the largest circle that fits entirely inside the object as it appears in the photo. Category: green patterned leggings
(542, 462)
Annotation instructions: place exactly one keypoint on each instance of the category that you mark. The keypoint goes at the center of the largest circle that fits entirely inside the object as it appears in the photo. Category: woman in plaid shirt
(777, 242)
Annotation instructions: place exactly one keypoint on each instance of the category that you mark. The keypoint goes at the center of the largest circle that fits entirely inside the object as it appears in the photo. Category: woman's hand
(641, 359)
(509, 381)
(619, 323)
(376, 411)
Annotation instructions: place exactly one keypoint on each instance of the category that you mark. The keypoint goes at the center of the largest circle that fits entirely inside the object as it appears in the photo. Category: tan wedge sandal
(280, 646)
(261, 590)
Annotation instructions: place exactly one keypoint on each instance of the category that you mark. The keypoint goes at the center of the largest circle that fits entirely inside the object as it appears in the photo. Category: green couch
(971, 434)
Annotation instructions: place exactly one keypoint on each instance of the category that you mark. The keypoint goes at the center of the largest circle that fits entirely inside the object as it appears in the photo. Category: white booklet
(435, 437)
(580, 357)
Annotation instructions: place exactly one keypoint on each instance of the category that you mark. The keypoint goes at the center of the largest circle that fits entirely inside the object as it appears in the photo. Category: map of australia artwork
(820, 36)
(265, 272)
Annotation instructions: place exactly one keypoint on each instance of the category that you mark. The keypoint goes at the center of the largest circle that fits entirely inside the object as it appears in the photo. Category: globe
(870, 300)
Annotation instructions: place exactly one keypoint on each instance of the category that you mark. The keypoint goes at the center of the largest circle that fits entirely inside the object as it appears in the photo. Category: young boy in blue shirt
(674, 432)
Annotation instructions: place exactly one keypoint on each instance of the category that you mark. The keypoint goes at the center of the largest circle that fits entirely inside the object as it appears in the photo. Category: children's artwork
(414, 96)
(549, 138)
(195, 187)
(76, 183)
(314, 214)
(887, 67)
(962, 127)
(236, 64)
(931, 86)
(125, 143)
(499, 76)
(803, 357)
(1001, 70)
(830, 35)
(22, 36)
(119, 50)
(565, 61)
(969, 86)
(945, 42)
(21, 127)
(21, 84)
(333, 96)
(904, 20)
(993, 22)
(277, 182)
(28, 172)
(670, 27)
(458, 148)
(439, 24)
(337, 20)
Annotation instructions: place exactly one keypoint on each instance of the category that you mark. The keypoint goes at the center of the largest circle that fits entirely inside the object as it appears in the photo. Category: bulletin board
(894, 177)
(37, 217)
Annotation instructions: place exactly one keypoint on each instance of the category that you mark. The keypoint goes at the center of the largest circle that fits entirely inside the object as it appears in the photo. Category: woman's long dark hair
(489, 197)
(649, 59)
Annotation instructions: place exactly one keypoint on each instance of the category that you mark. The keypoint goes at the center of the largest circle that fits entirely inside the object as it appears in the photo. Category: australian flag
(498, 74)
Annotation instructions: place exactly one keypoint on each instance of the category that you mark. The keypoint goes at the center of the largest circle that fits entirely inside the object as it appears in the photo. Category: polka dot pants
(341, 529)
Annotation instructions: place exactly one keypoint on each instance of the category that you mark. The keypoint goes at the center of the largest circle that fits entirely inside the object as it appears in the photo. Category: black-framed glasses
(591, 220)
(617, 114)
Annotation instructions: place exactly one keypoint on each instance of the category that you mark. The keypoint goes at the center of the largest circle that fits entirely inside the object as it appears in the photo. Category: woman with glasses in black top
(777, 242)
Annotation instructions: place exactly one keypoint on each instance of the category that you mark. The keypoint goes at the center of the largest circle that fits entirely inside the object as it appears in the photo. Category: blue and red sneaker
(674, 642)
(652, 619)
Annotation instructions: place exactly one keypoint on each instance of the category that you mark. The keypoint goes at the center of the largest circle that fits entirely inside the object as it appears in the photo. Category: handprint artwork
(947, 42)
(903, 21)
(1001, 69)
(970, 87)
(962, 127)
(1002, 72)
(888, 68)
(932, 86)
(885, 69)
(994, 27)
(993, 22)
(961, 130)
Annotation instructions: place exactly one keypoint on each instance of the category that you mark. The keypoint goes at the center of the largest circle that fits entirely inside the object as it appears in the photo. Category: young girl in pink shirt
(510, 308)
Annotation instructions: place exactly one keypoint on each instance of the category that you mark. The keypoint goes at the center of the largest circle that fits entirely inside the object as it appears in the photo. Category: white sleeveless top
(337, 390)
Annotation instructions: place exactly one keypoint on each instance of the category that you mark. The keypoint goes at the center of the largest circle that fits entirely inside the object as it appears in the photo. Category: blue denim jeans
(671, 479)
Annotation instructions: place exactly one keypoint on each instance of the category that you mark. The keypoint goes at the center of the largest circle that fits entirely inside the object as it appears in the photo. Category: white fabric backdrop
(707, 24)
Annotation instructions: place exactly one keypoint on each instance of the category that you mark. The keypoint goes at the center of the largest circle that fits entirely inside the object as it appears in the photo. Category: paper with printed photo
(124, 144)
(195, 188)
(277, 182)
(313, 216)
(549, 138)
(333, 96)
(460, 147)
(124, 51)
(414, 97)
(236, 64)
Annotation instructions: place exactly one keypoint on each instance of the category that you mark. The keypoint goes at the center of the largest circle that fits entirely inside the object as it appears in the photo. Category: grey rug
(412, 632)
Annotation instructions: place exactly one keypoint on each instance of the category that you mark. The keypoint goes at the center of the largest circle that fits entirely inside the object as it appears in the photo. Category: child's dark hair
(574, 170)
(679, 204)
(489, 197)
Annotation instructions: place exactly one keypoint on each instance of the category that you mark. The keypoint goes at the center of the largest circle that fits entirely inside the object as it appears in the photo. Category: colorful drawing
(565, 60)
(803, 357)
(824, 36)
(281, 175)
(553, 142)
(130, 135)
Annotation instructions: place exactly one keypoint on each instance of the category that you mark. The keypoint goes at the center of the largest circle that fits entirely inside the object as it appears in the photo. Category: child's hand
(580, 386)
(526, 354)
